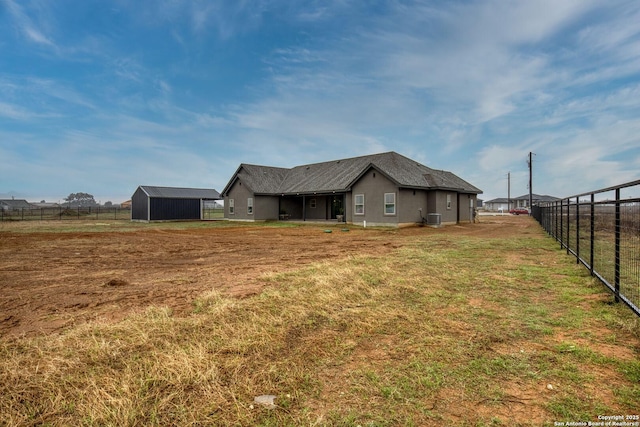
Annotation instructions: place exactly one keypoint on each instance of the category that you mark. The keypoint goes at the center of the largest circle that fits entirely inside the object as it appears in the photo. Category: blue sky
(103, 96)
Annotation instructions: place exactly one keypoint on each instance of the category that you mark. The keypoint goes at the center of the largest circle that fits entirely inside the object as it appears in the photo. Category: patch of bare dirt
(54, 280)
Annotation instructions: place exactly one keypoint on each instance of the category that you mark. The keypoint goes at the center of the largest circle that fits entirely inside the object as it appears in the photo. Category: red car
(519, 211)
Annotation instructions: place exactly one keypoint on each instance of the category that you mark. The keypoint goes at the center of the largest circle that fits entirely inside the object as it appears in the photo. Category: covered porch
(313, 207)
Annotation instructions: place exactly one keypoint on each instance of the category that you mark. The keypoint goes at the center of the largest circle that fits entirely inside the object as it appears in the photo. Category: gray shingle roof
(180, 193)
(538, 198)
(262, 179)
(340, 175)
(15, 204)
(535, 197)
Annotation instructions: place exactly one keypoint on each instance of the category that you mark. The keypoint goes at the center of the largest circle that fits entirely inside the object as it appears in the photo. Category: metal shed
(150, 203)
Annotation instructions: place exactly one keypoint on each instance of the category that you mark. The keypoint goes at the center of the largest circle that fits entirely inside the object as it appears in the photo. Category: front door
(337, 206)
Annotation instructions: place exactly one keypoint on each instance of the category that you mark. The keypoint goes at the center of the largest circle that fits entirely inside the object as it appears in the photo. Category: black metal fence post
(569, 227)
(592, 232)
(577, 230)
(555, 219)
(561, 223)
(617, 256)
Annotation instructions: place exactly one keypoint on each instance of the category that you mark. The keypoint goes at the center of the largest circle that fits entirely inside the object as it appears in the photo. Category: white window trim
(448, 202)
(390, 204)
(356, 204)
(232, 207)
(250, 206)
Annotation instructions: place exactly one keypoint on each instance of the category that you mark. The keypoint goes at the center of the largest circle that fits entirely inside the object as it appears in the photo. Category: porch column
(304, 207)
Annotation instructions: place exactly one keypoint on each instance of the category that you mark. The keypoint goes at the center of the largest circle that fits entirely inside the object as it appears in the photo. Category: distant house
(498, 205)
(385, 189)
(150, 203)
(504, 205)
(14, 204)
(126, 204)
(46, 205)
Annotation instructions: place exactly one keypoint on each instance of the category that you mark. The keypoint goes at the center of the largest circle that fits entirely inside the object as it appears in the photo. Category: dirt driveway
(53, 280)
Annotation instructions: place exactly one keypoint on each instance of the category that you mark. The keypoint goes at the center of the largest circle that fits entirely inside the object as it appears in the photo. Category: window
(250, 205)
(448, 201)
(359, 204)
(389, 203)
(232, 208)
(312, 203)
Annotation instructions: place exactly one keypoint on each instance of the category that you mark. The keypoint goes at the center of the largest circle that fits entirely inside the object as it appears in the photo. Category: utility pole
(509, 190)
(530, 162)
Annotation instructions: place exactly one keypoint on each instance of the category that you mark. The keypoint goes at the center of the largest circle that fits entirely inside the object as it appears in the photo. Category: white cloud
(36, 36)
(25, 25)
(483, 64)
(619, 41)
(14, 112)
(501, 159)
(226, 19)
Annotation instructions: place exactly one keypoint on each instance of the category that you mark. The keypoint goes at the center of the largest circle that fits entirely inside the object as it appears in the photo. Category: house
(505, 205)
(150, 203)
(384, 189)
(14, 204)
(498, 205)
(46, 205)
(523, 201)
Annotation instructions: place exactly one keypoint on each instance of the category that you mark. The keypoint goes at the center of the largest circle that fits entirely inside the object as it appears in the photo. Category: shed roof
(180, 193)
(340, 175)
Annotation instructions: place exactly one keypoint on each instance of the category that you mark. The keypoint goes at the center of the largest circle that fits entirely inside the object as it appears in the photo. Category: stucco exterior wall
(240, 195)
(448, 213)
(265, 208)
(374, 185)
(320, 211)
(466, 204)
(348, 207)
(414, 203)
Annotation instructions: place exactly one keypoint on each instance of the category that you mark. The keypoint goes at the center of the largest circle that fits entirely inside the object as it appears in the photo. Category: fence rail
(602, 230)
(65, 213)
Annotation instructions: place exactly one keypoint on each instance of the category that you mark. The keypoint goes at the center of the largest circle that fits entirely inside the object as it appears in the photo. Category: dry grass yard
(485, 324)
